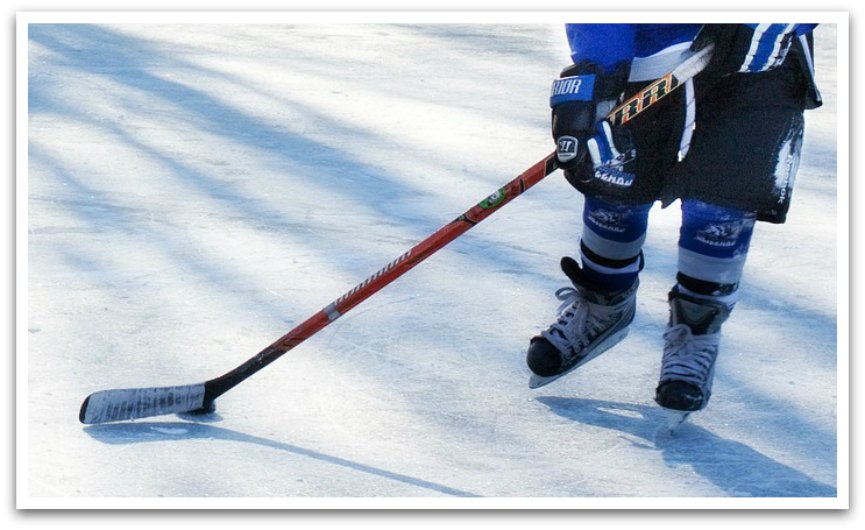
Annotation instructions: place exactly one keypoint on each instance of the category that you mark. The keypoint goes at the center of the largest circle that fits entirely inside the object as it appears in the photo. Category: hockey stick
(661, 87)
(126, 404)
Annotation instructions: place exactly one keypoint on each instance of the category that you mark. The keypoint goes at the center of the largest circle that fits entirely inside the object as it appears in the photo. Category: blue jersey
(610, 45)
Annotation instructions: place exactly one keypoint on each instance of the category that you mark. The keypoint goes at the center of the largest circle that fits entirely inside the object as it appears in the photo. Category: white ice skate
(691, 345)
(589, 323)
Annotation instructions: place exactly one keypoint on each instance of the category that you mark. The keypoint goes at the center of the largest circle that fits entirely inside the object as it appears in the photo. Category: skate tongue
(575, 273)
(701, 316)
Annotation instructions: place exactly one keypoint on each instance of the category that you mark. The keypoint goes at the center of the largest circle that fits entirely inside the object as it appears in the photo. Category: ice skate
(690, 350)
(590, 322)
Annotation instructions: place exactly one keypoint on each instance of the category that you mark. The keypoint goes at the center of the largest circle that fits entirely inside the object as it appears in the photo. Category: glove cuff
(586, 82)
(573, 88)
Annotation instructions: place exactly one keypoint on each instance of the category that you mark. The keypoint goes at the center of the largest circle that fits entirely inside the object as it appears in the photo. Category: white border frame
(841, 19)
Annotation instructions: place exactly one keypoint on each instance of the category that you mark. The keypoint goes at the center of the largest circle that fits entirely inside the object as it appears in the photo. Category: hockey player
(727, 144)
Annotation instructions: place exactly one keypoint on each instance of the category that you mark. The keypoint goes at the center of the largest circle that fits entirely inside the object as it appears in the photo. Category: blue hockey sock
(713, 247)
(612, 242)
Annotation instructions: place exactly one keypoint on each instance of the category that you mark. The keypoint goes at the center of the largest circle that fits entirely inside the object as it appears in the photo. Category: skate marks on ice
(732, 466)
(285, 158)
(143, 432)
(217, 143)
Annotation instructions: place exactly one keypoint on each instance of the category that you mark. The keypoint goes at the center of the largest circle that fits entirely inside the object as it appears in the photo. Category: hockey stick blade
(127, 404)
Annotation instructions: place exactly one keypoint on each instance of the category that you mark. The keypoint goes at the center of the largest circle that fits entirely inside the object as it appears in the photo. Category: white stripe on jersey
(690, 119)
(755, 43)
(776, 57)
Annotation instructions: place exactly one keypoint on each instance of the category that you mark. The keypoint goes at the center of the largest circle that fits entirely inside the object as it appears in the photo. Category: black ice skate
(590, 322)
(690, 350)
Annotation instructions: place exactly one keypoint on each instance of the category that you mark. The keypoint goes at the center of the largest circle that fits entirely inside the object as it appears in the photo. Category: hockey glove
(745, 48)
(581, 99)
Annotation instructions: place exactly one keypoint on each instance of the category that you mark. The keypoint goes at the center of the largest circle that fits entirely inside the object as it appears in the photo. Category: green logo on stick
(493, 200)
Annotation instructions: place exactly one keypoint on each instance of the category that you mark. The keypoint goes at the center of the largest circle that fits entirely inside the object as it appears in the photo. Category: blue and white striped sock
(713, 247)
(612, 242)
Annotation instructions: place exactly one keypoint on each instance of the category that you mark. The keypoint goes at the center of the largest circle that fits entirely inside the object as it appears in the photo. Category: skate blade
(675, 419)
(537, 381)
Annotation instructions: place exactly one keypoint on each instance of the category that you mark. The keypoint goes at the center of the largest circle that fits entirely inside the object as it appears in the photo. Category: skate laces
(576, 325)
(689, 357)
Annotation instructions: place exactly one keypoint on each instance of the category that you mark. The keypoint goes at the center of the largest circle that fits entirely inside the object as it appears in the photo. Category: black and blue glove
(586, 145)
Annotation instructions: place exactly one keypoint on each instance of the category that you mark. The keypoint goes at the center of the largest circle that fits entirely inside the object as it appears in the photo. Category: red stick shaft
(418, 253)
(386, 275)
